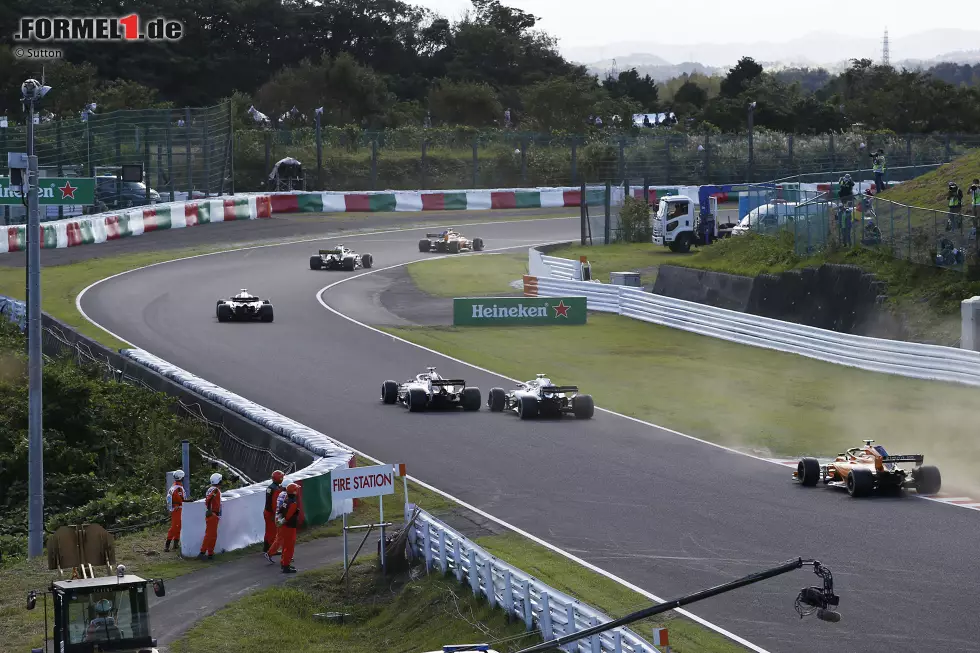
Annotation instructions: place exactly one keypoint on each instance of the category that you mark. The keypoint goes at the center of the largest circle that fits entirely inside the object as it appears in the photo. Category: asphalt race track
(668, 513)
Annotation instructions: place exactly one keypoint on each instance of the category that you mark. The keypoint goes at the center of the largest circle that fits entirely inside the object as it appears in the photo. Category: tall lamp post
(751, 148)
(32, 91)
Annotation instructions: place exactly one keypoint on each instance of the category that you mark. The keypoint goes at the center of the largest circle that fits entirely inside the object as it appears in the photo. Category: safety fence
(907, 359)
(539, 606)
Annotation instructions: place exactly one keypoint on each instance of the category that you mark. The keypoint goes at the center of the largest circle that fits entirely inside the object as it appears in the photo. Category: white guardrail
(555, 613)
(909, 359)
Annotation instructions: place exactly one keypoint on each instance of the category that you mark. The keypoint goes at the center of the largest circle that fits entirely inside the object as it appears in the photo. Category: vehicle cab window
(107, 616)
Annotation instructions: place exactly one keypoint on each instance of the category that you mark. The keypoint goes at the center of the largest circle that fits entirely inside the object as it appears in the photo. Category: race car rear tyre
(316, 263)
(454, 247)
(417, 400)
(860, 482)
(928, 480)
(477, 244)
(471, 399)
(265, 313)
(808, 472)
(527, 407)
(224, 313)
(424, 245)
(583, 406)
(367, 261)
(349, 264)
(389, 392)
(497, 400)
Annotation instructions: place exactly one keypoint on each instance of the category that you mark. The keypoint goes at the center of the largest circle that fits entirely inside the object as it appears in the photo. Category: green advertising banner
(53, 190)
(518, 311)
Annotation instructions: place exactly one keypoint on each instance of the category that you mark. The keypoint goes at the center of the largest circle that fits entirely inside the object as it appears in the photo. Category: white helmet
(215, 478)
(179, 474)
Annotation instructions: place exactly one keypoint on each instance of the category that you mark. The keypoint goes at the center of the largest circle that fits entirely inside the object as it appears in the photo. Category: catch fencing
(553, 613)
(908, 359)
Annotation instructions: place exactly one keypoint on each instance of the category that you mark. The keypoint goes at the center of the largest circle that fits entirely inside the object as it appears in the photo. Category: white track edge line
(588, 565)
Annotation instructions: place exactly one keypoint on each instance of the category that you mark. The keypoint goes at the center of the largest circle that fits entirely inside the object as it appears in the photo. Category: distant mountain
(659, 72)
(809, 50)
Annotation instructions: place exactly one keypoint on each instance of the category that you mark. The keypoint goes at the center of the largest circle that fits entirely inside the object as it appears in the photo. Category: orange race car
(865, 470)
(450, 241)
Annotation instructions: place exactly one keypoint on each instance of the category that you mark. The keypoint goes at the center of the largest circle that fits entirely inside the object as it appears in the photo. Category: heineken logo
(518, 310)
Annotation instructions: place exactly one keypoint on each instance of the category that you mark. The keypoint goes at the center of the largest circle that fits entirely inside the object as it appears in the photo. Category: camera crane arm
(820, 599)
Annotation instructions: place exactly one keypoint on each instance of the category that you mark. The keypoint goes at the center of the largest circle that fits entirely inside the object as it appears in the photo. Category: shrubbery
(107, 447)
(634, 221)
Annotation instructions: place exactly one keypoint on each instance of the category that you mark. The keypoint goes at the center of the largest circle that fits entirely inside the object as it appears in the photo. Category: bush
(634, 221)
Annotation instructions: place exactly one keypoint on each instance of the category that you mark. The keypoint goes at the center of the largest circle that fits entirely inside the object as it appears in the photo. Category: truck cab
(677, 222)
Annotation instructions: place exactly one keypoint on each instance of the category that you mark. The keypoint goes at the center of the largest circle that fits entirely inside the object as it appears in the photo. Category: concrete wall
(841, 298)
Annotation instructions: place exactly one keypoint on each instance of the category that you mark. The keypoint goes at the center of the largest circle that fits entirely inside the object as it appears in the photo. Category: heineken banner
(53, 190)
(518, 311)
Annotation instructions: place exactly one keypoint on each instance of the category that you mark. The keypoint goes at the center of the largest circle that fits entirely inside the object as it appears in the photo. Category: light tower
(885, 55)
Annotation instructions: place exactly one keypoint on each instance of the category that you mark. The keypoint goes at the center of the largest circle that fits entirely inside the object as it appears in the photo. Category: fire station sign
(359, 482)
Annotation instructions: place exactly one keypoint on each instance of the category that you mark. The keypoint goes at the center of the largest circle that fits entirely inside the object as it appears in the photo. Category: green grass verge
(929, 190)
(398, 614)
(600, 592)
(469, 276)
(766, 402)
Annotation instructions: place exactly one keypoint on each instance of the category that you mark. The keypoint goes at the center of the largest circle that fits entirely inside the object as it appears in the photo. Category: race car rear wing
(560, 388)
(447, 382)
(912, 458)
(434, 235)
(331, 251)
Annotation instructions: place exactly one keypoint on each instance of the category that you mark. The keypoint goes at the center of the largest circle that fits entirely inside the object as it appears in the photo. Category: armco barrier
(111, 225)
(907, 359)
(520, 595)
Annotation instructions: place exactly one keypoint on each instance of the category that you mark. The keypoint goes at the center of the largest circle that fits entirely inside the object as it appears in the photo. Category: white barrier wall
(970, 336)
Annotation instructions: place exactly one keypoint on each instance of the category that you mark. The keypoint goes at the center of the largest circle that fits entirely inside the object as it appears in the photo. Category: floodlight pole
(35, 516)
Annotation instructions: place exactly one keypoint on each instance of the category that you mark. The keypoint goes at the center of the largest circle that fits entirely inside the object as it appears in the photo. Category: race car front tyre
(928, 480)
(860, 482)
(417, 400)
(316, 262)
(808, 472)
(453, 247)
(265, 313)
(367, 261)
(224, 313)
(583, 406)
(477, 244)
(424, 245)
(527, 407)
(497, 400)
(389, 392)
(471, 399)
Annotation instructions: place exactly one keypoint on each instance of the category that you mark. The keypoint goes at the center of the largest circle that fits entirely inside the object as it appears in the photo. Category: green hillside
(929, 190)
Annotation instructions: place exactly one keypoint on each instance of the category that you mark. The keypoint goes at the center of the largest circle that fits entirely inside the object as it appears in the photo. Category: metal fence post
(61, 171)
(425, 148)
(910, 232)
(476, 162)
(118, 138)
(595, 639)
(206, 147)
(170, 156)
(188, 152)
(474, 574)
(231, 146)
(547, 632)
(508, 594)
(268, 159)
(146, 162)
(570, 627)
(574, 159)
(528, 608)
(670, 167)
(608, 211)
(707, 157)
(524, 146)
(583, 209)
(908, 152)
(949, 153)
(374, 164)
(185, 464)
(622, 159)
(159, 182)
(458, 560)
(833, 154)
(789, 151)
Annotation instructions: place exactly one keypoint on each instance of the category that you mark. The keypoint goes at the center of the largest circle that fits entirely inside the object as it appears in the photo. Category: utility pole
(33, 91)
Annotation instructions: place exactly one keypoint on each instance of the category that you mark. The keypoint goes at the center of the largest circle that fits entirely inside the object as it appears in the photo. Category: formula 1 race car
(542, 397)
(244, 306)
(431, 391)
(340, 258)
(868, 469)
(450, 241)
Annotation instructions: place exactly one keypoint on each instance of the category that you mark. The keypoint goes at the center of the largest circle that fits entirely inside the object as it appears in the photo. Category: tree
(692, 95)
(740, 77)
(563, 102)
(465, 103)
(629, 84)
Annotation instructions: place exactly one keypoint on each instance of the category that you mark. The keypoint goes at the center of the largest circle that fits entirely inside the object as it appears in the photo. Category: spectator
(507, 122)
(598, 121)
(975, 195)
(646, 120)
(878, 164)
(955, 199)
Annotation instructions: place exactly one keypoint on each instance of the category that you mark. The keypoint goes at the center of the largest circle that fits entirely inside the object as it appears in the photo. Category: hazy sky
(580, 23)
